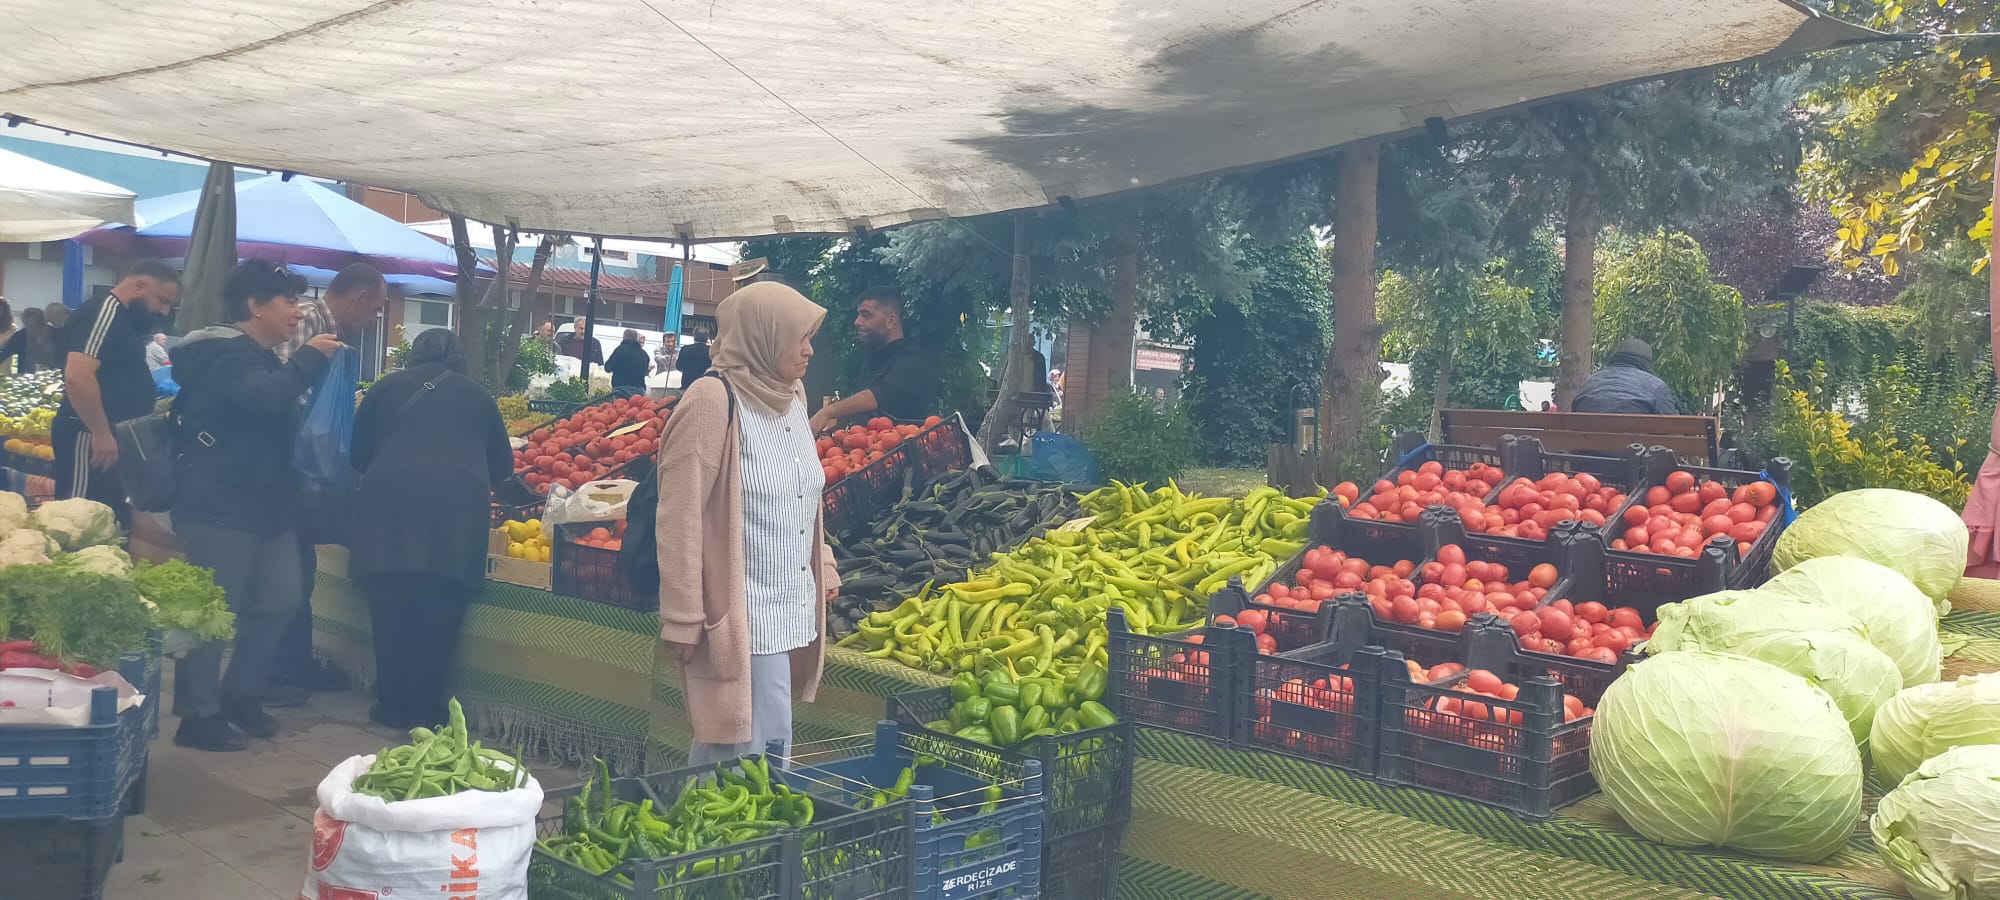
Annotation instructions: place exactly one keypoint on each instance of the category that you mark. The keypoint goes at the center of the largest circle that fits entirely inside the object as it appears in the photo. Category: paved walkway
(238, 826)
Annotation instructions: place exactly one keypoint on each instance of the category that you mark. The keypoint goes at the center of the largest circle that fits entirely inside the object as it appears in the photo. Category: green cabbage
(1897, 617)
(1911, 533)
(1939, 830)
(1726, 619)
(1926, 720)
(1857, 676)
(1701, 748)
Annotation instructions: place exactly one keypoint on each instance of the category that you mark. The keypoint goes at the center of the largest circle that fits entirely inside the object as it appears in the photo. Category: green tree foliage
(1473, 329)
(1831, 453)
(1660, 291)
(1137, 440)
(1257, 359)
(1906, 155)
(1850, 344)
(1949, 305)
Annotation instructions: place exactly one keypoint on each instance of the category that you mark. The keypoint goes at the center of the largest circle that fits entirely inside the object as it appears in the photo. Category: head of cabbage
(1898, 619)
(1926, 720)
(1910, 533)
(1726, 619)
(1939, 830)
(1702, 748)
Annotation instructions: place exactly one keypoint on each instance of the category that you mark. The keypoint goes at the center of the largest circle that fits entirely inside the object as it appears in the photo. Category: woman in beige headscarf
(744, 569)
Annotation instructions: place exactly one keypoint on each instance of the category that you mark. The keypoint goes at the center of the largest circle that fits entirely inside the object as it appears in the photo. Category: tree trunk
(1441, 392)
(1121, 327)
(517, 324)
(1015, 377)
(1578, 294)
(1351, 410)
(477, 324)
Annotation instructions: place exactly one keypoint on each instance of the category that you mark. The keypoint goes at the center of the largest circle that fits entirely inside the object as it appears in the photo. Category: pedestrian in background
(430, 444)
(629, 366)
(33, 346)
(745, 579)
(236, 503)
(694, 360)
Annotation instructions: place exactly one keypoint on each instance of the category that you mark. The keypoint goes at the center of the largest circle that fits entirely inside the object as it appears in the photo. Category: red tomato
(1556, 624)
(1451, 554)
(1526, 624)
(1542, 576)
(1625, 617)
(1592, 611)
(1403, 609)
(1679, 481)
(1604, 655)
(1451, 620)
(1761, 493)
(1256, 620)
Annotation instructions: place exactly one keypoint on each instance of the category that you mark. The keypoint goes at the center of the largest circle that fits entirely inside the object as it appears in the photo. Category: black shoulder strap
(728, 390)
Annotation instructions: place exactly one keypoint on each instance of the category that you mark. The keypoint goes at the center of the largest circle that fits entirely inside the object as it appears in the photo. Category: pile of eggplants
(938, 533)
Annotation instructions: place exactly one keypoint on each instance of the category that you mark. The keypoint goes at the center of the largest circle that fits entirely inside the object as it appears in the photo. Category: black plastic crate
(1086, 775)
(592, 573)
(962, 849)
(852, 502)
(1180, 682)
(843, 853)
(1083, 866)
(1526, 459)
(1450, 456)
(1489, 643)
(1316, 703)
(1654, 573)
(1518, 754)
(54, 859)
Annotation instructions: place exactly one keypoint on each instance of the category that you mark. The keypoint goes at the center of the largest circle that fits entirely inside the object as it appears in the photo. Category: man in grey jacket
(1626, 384)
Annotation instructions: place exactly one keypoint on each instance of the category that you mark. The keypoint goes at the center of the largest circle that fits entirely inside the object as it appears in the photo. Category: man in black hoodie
(1626, 384)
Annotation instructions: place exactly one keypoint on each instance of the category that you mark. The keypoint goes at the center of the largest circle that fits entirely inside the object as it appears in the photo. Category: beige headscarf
(756, 327)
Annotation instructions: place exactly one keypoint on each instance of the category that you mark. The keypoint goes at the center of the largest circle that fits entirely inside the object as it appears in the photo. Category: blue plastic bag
(1059, 457)
(164, 384)
(325, 436)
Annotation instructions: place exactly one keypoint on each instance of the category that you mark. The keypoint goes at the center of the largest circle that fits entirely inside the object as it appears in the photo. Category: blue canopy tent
(299, 222)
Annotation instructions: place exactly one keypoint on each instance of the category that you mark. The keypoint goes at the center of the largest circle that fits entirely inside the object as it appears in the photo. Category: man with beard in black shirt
(900, 384)
(106, 381)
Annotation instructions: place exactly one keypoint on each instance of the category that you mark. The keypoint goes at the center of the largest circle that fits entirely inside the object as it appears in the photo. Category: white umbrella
(41, 202)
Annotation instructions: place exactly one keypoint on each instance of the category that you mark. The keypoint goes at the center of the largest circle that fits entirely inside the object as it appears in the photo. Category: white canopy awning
(41, 202)
(736, 118)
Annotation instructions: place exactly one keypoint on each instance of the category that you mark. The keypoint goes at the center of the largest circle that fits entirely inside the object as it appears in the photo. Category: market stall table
(573, 678)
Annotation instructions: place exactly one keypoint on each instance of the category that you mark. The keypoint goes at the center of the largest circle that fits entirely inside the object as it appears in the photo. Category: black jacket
(239, 411)
(428, 466)
(629, 365)
(693, 363)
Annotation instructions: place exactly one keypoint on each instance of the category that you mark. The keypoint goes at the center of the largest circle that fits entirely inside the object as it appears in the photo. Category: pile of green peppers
(740, 802)
(998, 710)
(438, 764)
(1039, 610)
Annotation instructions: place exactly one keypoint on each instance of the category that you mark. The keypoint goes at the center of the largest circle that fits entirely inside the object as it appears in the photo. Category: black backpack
(639, 556)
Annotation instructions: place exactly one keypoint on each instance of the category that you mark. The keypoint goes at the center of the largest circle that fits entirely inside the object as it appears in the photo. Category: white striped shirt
(782, 480)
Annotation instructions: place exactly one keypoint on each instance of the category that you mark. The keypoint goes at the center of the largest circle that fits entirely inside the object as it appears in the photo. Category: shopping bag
(470, 844)
(321, 452)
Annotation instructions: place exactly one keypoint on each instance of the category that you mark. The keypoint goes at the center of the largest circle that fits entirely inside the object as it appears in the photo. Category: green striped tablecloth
(573, 679)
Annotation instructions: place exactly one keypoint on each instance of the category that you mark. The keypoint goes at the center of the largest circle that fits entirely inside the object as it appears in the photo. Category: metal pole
(590, 309)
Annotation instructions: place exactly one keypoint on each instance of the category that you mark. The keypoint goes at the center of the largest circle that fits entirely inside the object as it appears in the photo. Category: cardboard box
(503, 568)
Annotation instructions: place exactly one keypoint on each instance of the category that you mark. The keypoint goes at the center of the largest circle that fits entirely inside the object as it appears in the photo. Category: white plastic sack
(598, 501)
(470, 845)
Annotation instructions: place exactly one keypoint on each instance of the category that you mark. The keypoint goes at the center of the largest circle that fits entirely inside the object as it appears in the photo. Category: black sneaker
(211, 733)
(249, 715)
(281, 696)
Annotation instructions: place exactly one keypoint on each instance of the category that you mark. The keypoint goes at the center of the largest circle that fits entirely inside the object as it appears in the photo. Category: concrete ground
(238, 826)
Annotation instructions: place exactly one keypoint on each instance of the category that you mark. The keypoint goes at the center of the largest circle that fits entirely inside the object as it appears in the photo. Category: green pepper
(1035, 719)
(956, 717)
(1089, 682)
(1031, 696)
(977, 710)
(965, 686)
(1066, 722)
(1003, 694)
(998, 675)
(1005, 723)
(1057, 696)
(978, 734)
(945, 725)
(1092, 714)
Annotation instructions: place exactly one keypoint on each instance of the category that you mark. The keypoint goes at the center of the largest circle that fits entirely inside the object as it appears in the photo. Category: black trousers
(415, 620)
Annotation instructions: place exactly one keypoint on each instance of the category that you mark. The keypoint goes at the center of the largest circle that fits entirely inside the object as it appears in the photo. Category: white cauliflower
(76, 523)
(101, 560)
(13, 512)
(26, 547)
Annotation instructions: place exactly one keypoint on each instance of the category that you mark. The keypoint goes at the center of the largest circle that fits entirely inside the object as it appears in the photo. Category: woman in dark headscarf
(430, 444)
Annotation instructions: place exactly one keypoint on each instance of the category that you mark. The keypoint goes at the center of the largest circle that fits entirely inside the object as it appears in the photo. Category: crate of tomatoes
(872, 466)
(1659, 541)
(1428, 475)
(591, 444)
(584, 563)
